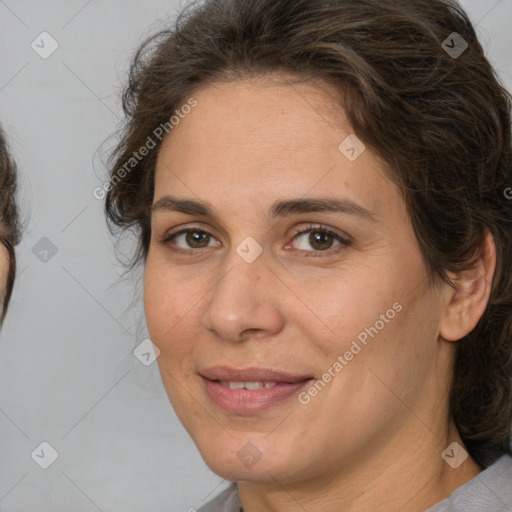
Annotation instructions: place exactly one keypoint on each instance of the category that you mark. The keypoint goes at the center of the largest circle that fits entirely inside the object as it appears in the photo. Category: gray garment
(490, 491)
(226, 501)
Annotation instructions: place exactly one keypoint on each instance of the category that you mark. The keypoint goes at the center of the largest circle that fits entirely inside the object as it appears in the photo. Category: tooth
(248, 385)
(253, 385)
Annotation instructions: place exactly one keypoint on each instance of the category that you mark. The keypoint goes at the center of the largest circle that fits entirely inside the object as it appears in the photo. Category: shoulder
(226, 501)
(490, 491)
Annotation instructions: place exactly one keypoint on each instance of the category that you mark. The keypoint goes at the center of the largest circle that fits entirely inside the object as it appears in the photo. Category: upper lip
(251, 374)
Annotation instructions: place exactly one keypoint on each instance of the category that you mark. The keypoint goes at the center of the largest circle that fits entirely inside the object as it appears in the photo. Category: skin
(372, 438)
(4, 271)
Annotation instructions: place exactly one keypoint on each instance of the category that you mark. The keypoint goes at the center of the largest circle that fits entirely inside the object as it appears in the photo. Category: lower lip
(246, 401)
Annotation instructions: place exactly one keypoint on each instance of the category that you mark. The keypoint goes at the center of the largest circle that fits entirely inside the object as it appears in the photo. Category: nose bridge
(243, 298)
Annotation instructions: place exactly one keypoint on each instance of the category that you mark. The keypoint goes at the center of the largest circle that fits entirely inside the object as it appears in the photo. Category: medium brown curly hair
(9, 219)
(440, 120)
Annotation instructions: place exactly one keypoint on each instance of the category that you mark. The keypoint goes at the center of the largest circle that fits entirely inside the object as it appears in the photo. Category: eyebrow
(281, 208)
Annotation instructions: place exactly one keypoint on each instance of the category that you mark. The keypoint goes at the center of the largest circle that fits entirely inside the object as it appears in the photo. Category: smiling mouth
(250, 391)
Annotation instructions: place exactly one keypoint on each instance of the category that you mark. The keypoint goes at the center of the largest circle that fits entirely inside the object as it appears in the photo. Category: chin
(239, 459)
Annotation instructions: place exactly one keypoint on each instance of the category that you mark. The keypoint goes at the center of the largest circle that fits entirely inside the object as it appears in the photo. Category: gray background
(67, 372)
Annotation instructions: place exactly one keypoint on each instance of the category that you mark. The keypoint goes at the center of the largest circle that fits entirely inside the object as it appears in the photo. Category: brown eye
(321, 240)
(315, 239)
(190, 239)
(197, 239)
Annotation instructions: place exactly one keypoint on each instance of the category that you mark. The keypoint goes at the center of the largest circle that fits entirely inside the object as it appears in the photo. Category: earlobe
(468, 300)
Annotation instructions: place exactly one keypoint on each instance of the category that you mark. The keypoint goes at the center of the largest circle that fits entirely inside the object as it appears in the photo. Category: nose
(245, 302)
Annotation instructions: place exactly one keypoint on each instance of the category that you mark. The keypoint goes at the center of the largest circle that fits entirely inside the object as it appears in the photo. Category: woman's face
(257, 291)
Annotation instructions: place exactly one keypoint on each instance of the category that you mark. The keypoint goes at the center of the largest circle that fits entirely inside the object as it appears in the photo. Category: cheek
(374, 322)
(172, 305)
(165, 307)
(333, 312)
(164, 300)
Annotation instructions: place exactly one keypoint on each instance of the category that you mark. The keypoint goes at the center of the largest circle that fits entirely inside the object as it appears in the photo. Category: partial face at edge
(4, 273)
(304, 301)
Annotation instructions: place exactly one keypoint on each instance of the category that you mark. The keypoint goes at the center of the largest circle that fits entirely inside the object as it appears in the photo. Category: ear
(468, 301)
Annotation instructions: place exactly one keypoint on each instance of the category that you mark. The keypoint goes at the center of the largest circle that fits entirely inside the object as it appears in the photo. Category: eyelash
(344, 242)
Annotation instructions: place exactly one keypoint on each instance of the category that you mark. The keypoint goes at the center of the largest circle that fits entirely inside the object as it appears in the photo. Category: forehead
(264, 138)
(271, 109)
